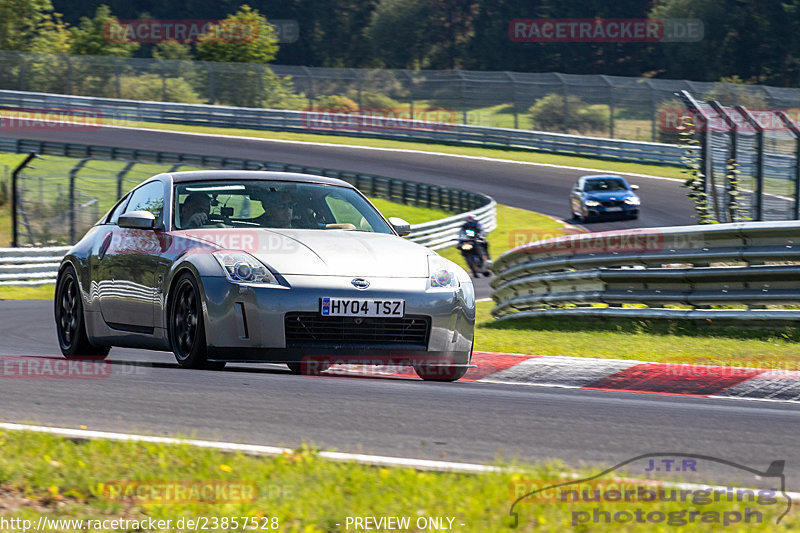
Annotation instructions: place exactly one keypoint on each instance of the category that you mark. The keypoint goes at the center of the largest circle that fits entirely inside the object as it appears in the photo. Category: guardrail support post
(14, 200)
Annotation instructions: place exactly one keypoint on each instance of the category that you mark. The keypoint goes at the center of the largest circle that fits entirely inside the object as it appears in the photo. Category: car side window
(148, 197)
(113, 216)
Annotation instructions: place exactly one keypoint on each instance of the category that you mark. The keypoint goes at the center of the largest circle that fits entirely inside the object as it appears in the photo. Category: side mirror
(634, 187)
(402, 227)
(137, 220)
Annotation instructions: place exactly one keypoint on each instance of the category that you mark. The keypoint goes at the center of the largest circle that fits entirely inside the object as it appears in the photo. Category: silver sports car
(251, 266)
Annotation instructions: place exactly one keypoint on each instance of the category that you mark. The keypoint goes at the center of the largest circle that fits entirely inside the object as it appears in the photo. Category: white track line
(256, 449)
(373, 460)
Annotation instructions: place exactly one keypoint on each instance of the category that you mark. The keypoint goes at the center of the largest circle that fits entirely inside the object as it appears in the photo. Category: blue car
(604, 196)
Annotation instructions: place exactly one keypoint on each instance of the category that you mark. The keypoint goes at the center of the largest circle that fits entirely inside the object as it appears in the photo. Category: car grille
(313, 329)
(613, 203)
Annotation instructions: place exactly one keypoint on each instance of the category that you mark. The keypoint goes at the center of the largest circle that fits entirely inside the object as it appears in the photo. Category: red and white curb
(615, 375)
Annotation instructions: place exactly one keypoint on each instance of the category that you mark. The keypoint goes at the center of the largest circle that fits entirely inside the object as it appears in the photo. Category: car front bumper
(246, 322)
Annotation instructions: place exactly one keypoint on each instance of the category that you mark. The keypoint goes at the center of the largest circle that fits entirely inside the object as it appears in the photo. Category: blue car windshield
(605, 185)
(273, 204)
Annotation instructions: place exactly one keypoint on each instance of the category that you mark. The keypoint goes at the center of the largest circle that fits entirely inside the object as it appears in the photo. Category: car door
(130, 262)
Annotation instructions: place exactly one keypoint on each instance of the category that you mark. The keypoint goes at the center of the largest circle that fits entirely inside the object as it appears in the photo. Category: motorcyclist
(472, 223)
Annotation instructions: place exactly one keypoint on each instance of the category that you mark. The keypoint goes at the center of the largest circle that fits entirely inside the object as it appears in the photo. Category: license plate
(613, 209)
(361, 307)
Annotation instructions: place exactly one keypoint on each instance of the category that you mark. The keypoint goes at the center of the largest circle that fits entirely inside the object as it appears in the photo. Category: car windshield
(273, 204)
(605, 185)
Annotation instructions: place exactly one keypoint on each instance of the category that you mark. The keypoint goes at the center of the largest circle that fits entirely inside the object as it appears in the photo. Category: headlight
(241, 267)
(591, 203)
(441, 273)
(633, 200)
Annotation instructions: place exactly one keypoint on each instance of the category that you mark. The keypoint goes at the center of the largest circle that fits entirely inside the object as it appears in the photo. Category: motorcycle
(473, 248)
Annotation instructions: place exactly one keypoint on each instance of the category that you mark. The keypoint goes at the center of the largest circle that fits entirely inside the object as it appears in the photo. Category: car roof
(602, 177)
(216, 175)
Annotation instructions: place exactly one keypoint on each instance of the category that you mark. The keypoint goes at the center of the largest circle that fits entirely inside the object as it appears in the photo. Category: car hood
(338, 253)
(608, 195)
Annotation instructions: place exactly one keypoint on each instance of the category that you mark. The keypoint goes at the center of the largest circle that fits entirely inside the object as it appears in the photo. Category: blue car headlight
(591, 203)
(442, 273)
(633, 200)
(241, 267)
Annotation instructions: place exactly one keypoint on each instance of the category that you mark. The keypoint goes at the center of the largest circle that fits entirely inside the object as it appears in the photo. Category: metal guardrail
(677, 272)
(30, 266)
(436, 234)
(109, 110)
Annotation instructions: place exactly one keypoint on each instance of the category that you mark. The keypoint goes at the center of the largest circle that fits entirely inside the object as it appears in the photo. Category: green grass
(645, 340)
(63, 479)
(37, 292)
(410, 213)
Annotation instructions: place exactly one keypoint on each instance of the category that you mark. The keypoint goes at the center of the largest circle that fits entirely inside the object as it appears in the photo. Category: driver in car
(278, 211)
(195, 210)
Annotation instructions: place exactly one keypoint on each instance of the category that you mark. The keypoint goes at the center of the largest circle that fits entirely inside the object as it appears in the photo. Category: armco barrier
(30, 266)
(678, 272)
(110, 111)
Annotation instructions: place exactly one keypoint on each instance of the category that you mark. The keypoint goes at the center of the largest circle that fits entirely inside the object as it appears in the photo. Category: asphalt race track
(470, 422)
(146, 392)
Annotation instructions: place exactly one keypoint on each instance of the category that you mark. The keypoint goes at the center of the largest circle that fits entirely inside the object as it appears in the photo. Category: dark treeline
(752, 40)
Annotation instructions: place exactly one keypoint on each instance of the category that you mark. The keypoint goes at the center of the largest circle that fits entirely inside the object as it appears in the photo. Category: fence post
(69, 74)
(210, 82)
(792, 127)
(610, 105)
(730, 123)
(14, 199)
(23, 78)
(117, 73)
(513, 98)
(310, 88)
(72, 175)
(759, 160)
(462, 97)
(121, 176)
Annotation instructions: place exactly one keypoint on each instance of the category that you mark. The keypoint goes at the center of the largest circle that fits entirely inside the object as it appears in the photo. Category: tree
(31, 25)
(90, 38)
(422, 34)
(238, 72)
(219, 45)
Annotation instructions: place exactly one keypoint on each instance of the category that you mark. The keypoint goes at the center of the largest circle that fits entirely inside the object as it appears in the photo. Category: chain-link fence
(605, 106)
(59, 198)
(750, 160)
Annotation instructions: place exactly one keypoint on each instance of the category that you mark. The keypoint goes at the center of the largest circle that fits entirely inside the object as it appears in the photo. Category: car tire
(187, 334)
(312, 368)
(70, 321)
(440, 373)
